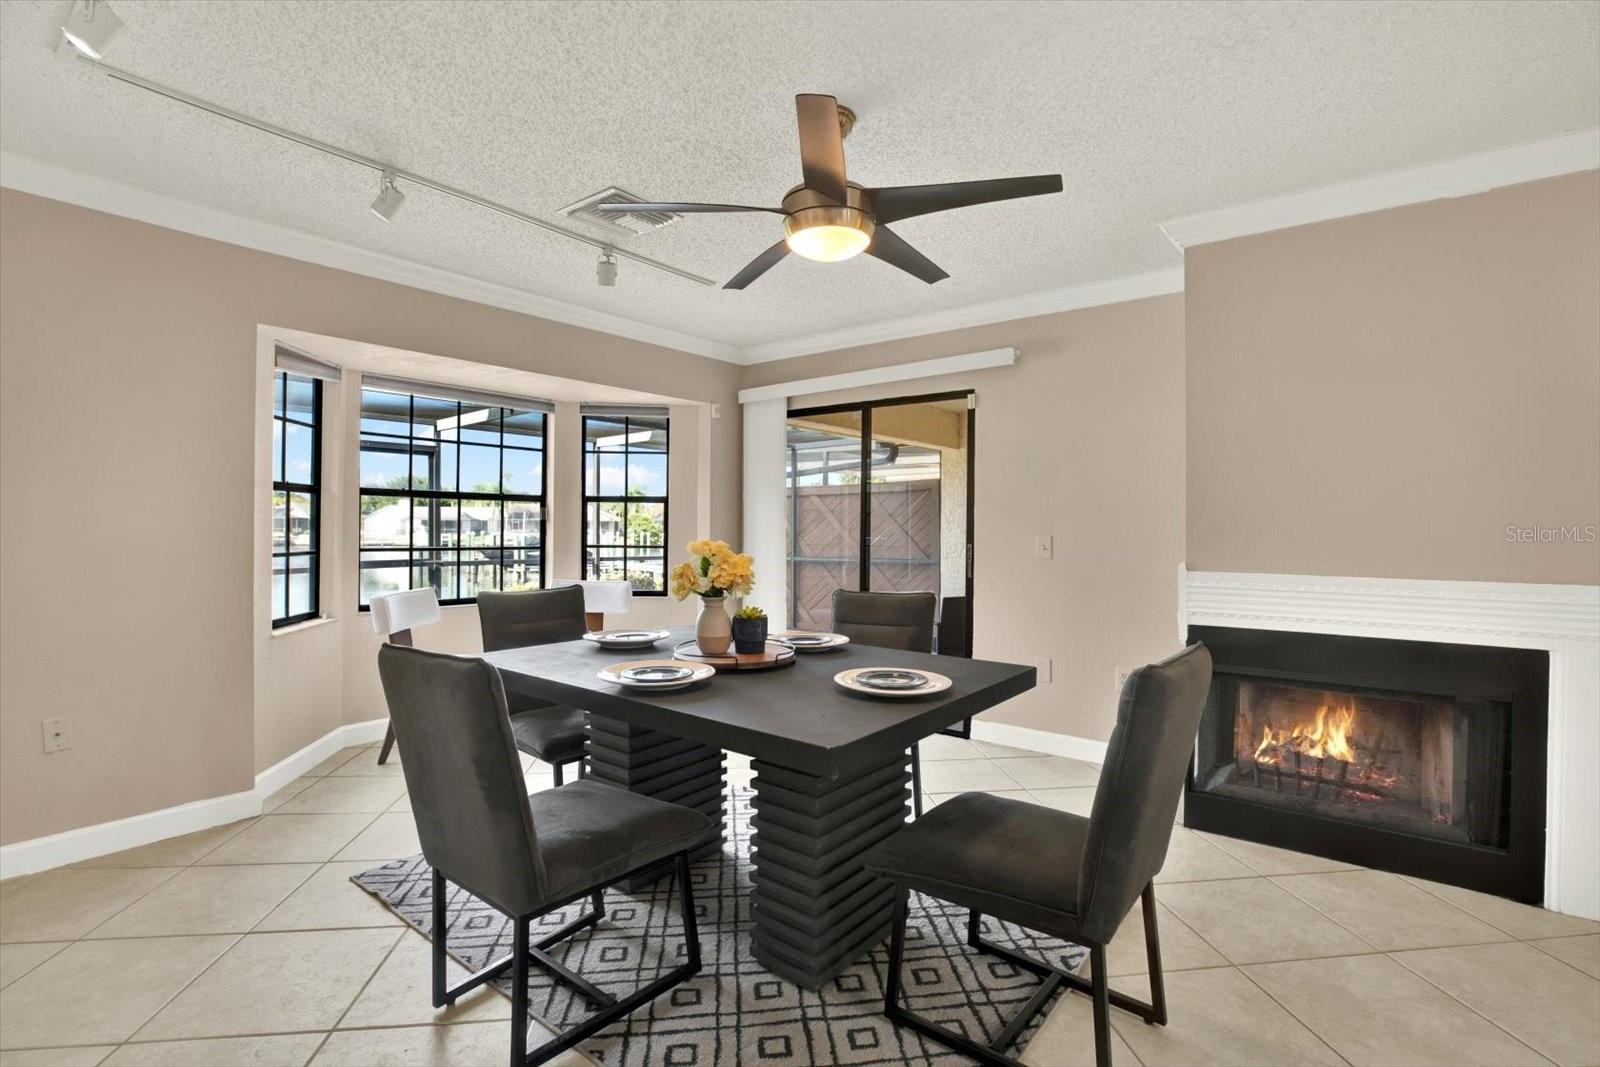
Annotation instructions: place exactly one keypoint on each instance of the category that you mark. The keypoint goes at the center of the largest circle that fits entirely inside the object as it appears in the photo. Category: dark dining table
(830, 771)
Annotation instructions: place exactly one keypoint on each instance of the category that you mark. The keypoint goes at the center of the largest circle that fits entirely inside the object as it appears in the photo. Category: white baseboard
(101, 839)
(293, 766)
(1052, 744)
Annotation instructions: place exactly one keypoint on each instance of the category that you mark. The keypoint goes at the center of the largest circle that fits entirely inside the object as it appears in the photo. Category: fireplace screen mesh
(1418, 764)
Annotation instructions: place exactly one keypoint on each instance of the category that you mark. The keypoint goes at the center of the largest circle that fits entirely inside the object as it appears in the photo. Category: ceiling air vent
(620, 226)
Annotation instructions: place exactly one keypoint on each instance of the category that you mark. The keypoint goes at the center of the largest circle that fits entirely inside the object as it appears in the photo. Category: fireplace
(1408, 756)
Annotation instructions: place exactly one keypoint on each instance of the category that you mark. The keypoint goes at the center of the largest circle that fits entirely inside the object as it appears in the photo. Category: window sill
(302, 627)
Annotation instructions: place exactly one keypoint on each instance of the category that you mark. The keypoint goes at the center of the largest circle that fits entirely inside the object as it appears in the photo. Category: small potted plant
(750, 630)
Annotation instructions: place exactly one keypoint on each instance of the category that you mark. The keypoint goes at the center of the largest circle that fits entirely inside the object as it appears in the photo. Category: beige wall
(128, 415)
(1083, 440)
(1383, 395)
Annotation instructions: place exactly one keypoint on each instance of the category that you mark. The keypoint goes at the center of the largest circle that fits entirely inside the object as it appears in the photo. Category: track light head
(605, 272)
(90, 26)
(389, 198)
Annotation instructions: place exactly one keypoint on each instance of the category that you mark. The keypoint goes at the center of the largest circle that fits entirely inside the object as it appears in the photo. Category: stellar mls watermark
(1552, 535)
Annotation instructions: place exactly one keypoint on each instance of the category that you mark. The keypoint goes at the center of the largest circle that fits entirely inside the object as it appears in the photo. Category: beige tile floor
(247, 944)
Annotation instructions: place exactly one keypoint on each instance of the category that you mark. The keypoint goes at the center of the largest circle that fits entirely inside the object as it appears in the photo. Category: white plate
(613, 674)
(937, 683)
(626, 638)
(833, 640)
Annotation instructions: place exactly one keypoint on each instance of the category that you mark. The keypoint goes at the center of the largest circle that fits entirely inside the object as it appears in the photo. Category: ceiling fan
(828, 219)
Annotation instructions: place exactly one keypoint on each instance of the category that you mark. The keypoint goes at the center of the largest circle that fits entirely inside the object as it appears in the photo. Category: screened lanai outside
(893, 516)
(452, 495)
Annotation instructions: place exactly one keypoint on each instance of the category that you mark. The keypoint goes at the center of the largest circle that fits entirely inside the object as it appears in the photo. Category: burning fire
(1326, 737)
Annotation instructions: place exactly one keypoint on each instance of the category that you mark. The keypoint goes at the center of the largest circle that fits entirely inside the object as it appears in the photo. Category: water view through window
(452, 496)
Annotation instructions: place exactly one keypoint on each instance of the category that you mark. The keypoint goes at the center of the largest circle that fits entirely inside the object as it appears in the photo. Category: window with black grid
(625, 500)
(296, 497)
(452, 496)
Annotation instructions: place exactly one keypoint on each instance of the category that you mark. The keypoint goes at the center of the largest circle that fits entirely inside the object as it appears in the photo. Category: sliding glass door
(880, 498)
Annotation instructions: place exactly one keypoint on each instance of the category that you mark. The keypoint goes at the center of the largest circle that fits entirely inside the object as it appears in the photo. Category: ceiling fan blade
(906, 201)
(681, 209)
(892, 249)
(758, 266)
(821, 145)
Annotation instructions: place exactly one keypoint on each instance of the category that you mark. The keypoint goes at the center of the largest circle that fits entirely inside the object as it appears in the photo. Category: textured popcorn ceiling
(1149, 110)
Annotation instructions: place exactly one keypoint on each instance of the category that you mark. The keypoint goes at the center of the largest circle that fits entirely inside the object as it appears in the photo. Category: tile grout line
(1533, 943)
(1366, 870)
(1418, 884)
(197, 976)
(1268, 993)
(1248, 977)
(1432, 984)
(330, 1031)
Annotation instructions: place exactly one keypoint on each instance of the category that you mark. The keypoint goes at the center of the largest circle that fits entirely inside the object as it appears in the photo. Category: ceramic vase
(713, 631)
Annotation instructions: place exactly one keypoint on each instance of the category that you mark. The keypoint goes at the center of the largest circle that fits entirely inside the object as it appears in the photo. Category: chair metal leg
(691, 922)
(916, 782)
(618, 1009)
(1102, 1007)
(556, 767)
(388, 745)
(441, 994)
(991, 1054)
(897, 948)
(519, 992)
(1097, 986)
(1152, 955)
(524, 956)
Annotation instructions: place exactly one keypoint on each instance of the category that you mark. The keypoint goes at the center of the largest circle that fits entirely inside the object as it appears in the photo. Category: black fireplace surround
(1407, 756)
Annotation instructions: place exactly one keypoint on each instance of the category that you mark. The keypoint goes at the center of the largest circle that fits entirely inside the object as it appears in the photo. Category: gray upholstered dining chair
(550, 732)
(1055, 872)
(523, 855)
(889, 620)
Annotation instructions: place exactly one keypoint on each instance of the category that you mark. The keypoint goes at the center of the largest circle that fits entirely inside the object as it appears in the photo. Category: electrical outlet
(1042, 667)
(1044, 546)
(57, 734)
(716, 411)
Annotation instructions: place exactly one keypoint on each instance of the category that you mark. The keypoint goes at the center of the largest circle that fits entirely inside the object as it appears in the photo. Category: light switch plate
(57, 734)
(1042, 667)
(1044, 546)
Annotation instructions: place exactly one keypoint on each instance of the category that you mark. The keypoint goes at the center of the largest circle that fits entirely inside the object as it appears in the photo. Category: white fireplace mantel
(1563, 620)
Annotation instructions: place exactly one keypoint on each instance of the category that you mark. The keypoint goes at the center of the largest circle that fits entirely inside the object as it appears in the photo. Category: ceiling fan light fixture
(828, 234)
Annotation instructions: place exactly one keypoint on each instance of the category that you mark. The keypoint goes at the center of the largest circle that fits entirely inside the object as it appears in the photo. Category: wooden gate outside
(824, 538)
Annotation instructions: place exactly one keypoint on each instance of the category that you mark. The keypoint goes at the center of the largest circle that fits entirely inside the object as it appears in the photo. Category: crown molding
(41, 178)
(1071, 298)
(1463, 176)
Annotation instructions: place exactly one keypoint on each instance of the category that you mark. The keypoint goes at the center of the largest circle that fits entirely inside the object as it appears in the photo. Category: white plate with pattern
(656, 675)
(812, 640)
(892, 683)
(627, 638)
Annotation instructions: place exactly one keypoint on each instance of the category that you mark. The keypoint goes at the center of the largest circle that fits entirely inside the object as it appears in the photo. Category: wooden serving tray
(777, 654)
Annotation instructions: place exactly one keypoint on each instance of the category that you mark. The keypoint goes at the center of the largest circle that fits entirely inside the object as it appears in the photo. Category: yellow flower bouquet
(715, 570)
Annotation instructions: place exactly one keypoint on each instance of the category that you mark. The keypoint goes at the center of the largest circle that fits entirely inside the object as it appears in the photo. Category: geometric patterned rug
(733, 1011)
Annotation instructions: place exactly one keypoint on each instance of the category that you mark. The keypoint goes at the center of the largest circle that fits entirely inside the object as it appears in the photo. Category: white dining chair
(394, 615)
(600, 598)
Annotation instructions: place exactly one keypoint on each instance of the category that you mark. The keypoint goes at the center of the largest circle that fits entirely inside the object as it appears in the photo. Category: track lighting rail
(128, 78)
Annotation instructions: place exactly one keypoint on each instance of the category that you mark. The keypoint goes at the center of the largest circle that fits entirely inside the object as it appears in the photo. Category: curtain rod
(129, 78)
